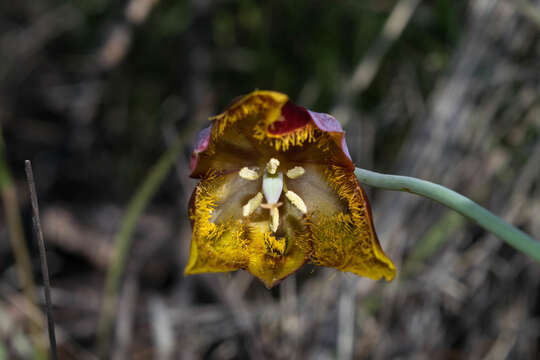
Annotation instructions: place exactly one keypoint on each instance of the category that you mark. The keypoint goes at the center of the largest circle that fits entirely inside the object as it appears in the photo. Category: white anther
(274, 214)
(272, 165)
(295, 172)
(296, 201)
(252, 204)
(248, 174)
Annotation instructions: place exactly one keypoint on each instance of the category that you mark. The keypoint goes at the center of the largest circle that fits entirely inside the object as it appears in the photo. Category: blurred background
(95, 91)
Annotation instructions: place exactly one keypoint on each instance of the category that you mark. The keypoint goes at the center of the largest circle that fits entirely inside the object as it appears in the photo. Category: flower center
(272, 188)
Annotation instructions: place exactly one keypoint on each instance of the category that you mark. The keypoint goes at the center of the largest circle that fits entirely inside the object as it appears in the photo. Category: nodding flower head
(278, 190)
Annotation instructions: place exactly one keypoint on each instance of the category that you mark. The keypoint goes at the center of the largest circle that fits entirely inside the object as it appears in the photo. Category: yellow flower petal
(224, 240)
(272, 259)
(340, 232)
(317, 212)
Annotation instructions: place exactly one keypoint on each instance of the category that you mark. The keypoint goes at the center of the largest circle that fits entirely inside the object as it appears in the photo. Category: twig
(369, 65)
(529, 10)
(17, 238)
(126, 314)
(36, 317)
(393, 28)
(162, 329)
(122, 241)
(38, 233)
(346, 319)
(466, 207)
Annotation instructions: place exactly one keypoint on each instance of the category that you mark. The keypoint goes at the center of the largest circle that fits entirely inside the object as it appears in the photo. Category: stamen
(248, 174)
(274, 214)
(252, 204)
(295, 172)
(296, 201)
(272, 165)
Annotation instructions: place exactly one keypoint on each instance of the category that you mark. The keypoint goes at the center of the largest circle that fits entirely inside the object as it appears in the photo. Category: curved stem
(466, 207)
(123, 240)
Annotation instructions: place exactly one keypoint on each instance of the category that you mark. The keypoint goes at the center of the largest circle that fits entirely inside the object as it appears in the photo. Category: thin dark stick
(38, 233)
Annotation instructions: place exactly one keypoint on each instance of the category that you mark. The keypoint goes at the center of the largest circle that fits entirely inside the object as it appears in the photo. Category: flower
(277, 190)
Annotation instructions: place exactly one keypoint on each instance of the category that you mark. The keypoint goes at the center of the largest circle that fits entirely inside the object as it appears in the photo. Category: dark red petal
(329, 124)
(203, 140)
(325, 122)
(293, 117)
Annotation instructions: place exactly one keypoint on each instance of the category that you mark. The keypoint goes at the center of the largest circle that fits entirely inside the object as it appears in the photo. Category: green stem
(15, 227)
(466, 207)
(122, 241)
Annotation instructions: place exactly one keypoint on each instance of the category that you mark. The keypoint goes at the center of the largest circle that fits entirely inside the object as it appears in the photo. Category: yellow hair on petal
(206, 201)
(346, 187)
(265, 254)
(331, 236)
(215, 247)
(298, 137)
(257, 103)
(336, 241)
(355, 247)
(282, 142)
(323, 141)
(274, 246)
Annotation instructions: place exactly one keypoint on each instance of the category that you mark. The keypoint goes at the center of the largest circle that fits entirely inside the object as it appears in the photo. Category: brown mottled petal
(342, 236)
(228, 144)
(335, 231)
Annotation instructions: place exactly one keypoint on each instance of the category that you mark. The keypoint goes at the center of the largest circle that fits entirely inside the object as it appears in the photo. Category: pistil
(272, 186)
